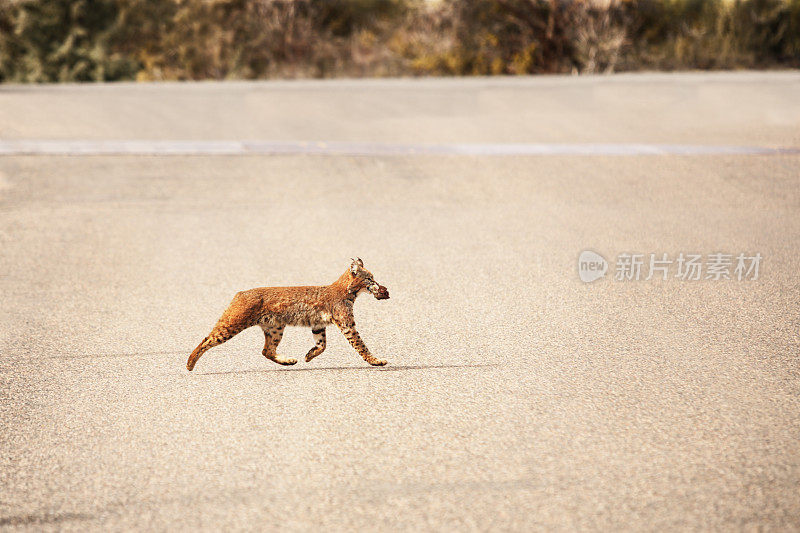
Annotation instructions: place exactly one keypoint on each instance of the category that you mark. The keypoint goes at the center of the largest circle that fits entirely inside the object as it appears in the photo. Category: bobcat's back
(290, 306)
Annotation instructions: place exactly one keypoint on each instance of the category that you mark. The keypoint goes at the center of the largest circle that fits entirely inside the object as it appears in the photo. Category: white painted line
(140, 147)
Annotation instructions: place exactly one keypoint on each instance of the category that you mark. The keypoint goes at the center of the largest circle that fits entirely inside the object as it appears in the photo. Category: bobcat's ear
(356, 265)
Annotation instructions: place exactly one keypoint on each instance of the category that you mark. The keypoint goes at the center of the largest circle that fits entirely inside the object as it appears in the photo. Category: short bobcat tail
(201, 348)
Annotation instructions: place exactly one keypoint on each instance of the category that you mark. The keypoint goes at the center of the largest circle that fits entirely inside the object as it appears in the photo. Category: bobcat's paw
(284, 362)
(378, 362)
(309, 357)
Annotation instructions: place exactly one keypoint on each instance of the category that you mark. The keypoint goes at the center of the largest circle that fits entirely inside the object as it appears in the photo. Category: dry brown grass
(66, 40)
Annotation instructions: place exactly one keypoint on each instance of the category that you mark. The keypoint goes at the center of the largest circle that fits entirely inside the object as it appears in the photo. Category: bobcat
(274, 308)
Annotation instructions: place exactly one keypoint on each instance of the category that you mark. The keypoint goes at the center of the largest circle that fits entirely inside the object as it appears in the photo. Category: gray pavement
(517, 397)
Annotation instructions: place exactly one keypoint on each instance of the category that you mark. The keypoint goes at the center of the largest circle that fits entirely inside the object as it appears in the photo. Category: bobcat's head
(362, 280)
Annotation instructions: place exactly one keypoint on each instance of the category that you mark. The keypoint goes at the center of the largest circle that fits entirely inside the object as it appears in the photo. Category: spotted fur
(274, 308)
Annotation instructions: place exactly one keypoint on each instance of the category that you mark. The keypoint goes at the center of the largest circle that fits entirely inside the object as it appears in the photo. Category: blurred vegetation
(100, 40)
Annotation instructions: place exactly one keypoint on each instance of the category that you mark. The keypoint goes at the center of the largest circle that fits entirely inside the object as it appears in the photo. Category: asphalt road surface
(517, 397)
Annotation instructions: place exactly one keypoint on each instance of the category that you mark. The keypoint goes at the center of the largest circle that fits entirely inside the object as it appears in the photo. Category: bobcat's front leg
(348, 327)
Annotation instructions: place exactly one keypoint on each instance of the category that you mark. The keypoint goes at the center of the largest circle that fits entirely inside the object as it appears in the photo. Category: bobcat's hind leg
(217, 336)
(319, 343)
(272, 337)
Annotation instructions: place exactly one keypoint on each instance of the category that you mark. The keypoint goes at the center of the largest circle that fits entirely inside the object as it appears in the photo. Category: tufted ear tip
(356, 265)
